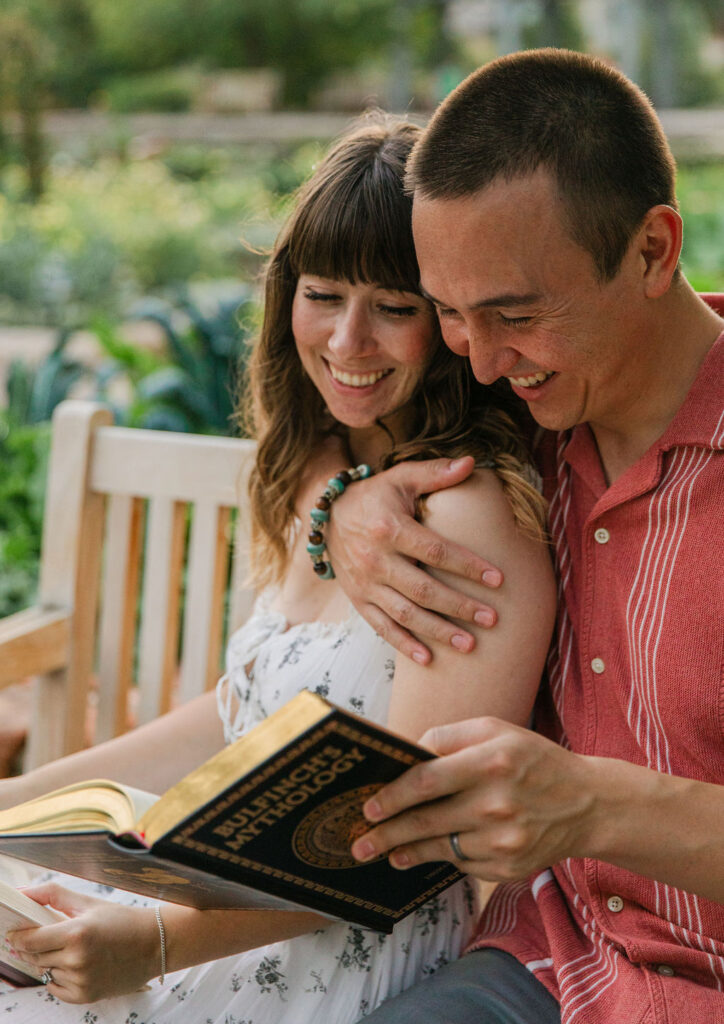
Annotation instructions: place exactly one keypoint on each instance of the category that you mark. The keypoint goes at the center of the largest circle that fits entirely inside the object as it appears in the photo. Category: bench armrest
(32, 642)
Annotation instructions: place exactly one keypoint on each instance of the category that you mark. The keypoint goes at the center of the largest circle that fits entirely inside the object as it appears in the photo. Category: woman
(349, 369)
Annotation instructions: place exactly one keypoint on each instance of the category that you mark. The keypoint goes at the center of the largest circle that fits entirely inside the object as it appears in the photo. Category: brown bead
(319, 567)
(322, 503)
(343, 477)
(315, 537)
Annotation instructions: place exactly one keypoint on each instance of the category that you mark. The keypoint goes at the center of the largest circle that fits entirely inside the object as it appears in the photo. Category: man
(548, 238)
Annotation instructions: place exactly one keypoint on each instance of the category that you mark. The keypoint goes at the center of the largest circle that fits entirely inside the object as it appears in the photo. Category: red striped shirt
(636, 672)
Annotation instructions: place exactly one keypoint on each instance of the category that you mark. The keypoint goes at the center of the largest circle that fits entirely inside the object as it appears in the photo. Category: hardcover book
(267, 823)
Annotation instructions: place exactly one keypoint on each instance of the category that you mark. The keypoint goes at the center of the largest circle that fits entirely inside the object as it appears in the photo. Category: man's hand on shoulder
(375, 545)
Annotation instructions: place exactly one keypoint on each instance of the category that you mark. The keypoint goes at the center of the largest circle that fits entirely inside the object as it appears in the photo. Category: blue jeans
(486, 986)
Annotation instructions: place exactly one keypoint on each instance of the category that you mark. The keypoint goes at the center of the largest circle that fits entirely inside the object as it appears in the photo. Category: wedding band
(47, 976)
(454, 838)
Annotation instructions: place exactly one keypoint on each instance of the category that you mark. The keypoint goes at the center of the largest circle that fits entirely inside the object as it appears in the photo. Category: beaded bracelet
(320, 516)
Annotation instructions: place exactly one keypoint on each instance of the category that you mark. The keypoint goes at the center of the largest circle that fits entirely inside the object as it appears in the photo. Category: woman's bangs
(348, 238)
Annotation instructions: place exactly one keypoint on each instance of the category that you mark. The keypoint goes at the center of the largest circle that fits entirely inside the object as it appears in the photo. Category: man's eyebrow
(506, 299)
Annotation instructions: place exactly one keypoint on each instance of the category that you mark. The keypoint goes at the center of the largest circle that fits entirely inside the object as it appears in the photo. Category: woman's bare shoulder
(473, 513)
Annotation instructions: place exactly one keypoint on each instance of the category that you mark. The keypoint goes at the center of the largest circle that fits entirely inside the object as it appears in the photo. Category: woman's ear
(660, 237)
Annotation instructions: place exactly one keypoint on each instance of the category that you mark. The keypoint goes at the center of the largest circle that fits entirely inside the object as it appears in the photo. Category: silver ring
(454, 838)
(47, 976)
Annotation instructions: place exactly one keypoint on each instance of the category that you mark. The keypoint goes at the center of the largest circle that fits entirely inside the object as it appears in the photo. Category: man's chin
(551, 419)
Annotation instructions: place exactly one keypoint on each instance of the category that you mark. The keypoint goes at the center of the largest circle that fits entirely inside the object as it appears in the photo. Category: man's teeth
(358, 380)
(529, 382)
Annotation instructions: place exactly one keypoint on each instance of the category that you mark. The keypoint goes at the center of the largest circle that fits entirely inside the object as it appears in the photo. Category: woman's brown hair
(352, 222)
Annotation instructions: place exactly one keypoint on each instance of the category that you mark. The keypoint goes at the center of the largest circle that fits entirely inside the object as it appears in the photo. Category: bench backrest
(143, 549)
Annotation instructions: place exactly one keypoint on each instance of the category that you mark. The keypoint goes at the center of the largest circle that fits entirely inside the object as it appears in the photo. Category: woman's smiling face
(365, 347)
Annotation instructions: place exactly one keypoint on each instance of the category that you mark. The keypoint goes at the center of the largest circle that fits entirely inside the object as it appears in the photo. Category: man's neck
(688, 329)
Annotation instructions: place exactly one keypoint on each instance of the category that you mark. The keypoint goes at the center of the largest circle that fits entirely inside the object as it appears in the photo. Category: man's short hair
(585, 122)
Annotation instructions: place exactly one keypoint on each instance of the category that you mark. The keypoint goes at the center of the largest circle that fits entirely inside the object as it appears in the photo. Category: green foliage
(305, 40)
(194, 386)
(701, 199)
(138, 38)
(97, 42)
(34, 392)
(23, 456)
(106, 234)
(171, 89)
(672, 72)
(23, 73)
(558, 24)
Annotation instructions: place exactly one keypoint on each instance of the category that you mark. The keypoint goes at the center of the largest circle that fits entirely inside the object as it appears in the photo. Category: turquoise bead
(337, 485)
(329, 574)
(364, 471)
(319, 515)
(316, 549)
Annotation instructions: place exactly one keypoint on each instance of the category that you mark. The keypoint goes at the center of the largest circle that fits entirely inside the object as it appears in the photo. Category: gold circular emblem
(324, 836)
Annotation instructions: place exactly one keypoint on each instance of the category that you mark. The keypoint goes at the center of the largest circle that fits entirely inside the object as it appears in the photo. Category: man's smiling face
(522, 300)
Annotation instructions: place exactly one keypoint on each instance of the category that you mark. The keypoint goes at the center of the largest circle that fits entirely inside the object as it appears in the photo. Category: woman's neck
(370, 444)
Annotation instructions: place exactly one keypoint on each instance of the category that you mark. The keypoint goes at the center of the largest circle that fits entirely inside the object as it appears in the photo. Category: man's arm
(520, 803)
(375, 544)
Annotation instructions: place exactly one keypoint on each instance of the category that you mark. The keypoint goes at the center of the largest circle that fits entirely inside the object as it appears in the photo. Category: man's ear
(659, 239)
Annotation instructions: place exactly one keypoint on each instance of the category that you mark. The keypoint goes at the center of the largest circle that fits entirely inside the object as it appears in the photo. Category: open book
(18, 911)
(267, 823)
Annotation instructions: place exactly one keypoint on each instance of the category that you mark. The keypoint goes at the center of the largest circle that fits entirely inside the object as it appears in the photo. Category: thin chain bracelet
(320, 517)
(162, 936)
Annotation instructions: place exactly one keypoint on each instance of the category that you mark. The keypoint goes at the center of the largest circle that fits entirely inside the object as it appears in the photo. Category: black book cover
(278, 837)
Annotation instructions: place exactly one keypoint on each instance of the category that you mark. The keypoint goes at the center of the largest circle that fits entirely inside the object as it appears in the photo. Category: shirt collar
(699, 422)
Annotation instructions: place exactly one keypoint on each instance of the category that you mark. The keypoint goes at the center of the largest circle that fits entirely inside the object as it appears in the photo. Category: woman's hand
(375, 542)
(103, 949)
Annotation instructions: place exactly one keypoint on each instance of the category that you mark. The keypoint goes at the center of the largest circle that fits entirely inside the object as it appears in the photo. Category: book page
(96, 805)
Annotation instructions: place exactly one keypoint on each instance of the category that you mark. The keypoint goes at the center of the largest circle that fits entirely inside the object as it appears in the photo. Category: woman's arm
(107, 949)
(502, 674)
(152, 757)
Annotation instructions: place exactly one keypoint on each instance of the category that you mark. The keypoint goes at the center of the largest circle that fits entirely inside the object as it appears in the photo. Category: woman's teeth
(529, 382)
(357, 380)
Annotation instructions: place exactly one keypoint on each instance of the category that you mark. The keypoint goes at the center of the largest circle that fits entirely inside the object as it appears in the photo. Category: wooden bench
(142, 572)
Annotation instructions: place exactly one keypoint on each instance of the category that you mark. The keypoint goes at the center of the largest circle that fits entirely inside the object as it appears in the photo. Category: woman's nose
(353, 331)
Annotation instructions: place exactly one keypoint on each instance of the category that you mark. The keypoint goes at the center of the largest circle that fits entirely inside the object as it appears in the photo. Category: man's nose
(489, 356)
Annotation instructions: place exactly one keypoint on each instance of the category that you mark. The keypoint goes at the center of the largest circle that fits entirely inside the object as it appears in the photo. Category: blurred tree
(304, 40)
(24, 57)
(557, 24)
(72, 67)
(133, 37)
(418, 39)
(672, 70)
(77, 69)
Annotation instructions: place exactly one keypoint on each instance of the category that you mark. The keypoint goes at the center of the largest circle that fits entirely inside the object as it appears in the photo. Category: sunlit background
(148, 152)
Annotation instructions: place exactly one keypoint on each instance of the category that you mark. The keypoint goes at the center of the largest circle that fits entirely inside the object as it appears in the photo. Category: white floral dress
(337, 974)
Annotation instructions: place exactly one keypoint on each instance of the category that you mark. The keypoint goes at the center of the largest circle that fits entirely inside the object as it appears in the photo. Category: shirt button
(666, 969)
(614, 904)
(598, 666)
(602, 535)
